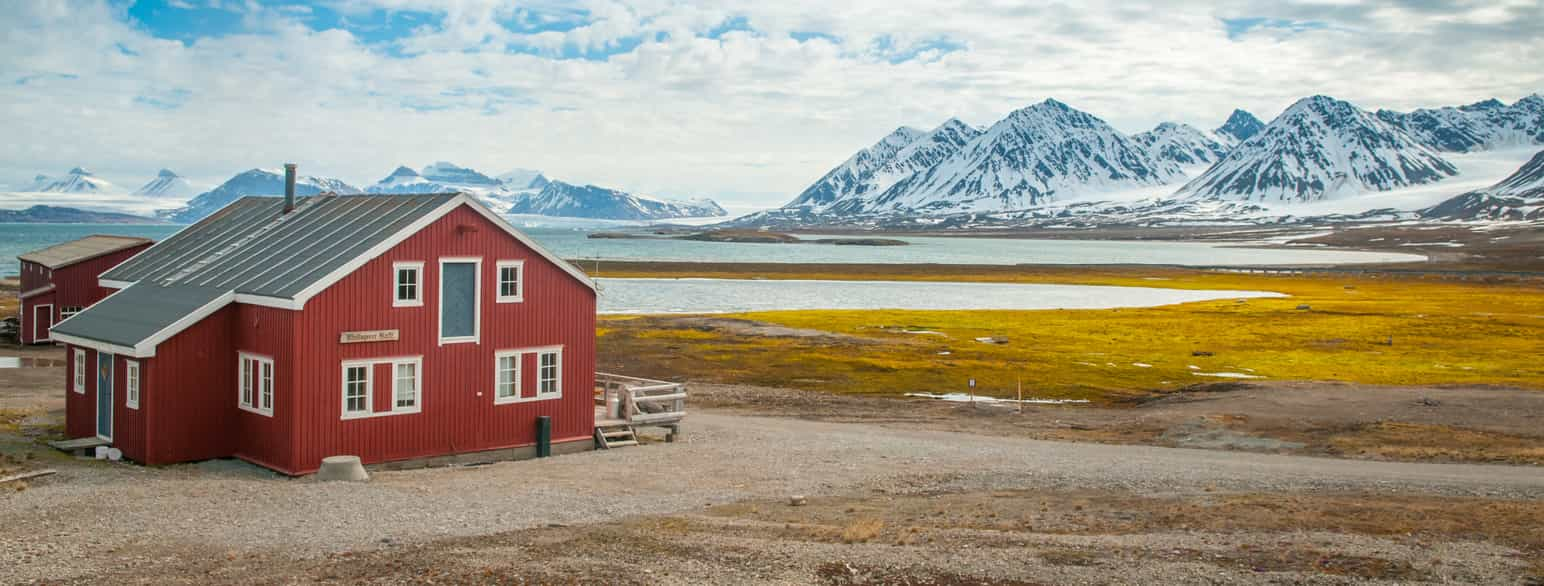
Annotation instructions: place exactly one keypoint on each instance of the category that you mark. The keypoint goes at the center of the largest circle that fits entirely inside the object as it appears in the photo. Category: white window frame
(519, 355)
(498, 372)
(439, 313)
(369, 388)
(131, 384)
(418, 284)
(69, 311)
(262, 390)
(418, 385)
(369, 365)
(557, 375)
(80, 371)
(498, 281)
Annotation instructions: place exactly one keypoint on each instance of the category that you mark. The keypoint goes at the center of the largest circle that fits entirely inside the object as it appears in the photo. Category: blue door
(458, 301)
(105, 395)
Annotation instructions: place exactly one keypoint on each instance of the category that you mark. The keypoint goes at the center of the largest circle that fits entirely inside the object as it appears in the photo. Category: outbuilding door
(42, 322)
(104, 395)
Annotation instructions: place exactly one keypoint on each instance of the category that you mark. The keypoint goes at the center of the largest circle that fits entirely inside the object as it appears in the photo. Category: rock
(346, 468)
(797, 501)
(1201, 353)
(1304, 307)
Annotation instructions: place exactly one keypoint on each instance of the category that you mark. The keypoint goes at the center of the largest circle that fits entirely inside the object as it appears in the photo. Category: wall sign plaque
(368, 336)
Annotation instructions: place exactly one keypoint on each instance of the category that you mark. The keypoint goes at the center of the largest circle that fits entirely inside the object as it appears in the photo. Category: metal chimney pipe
(289, 187)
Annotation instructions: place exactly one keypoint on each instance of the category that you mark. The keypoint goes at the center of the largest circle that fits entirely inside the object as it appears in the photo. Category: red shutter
(382, 400)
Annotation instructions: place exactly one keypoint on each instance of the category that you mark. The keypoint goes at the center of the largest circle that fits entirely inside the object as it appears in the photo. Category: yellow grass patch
(1406, 332)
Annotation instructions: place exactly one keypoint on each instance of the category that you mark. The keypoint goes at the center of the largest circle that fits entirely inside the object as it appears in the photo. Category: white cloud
(750, 116)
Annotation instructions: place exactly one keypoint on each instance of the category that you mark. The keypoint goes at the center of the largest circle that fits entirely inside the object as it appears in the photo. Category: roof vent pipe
(289, 187)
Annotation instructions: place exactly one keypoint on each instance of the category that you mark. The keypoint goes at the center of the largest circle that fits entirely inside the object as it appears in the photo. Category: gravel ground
(59, 527)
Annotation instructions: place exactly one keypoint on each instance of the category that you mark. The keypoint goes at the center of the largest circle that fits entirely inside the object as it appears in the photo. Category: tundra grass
(1360, 330)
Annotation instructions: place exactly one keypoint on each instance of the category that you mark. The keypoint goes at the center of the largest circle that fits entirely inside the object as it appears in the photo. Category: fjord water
(573, 244)
(742, 295)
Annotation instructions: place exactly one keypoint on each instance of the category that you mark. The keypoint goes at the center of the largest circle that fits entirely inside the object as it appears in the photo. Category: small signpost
(972, 392)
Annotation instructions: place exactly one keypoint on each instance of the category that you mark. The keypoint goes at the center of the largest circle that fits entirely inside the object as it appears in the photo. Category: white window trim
(131, 384)
(520, 353)
(396, 285)
(519, 356)
(258, 361)
(439, 314)
(498, 281)
(369, 365)
(558, 382)
(418, 386)
(80, 371)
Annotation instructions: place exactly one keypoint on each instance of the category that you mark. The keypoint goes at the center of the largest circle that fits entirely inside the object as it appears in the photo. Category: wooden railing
(640, 401)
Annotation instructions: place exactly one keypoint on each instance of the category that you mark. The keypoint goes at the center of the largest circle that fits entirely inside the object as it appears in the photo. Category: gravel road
(58, 528)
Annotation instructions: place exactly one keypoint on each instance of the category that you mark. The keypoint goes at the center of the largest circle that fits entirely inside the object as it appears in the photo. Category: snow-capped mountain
(1239, 127)
(78, 180)
(444, 177)
(1479, 126)
(588, 201)
(1518, 197)
(1318, 148)
(1033, 156)
(523, 179)
(853, 177)
(448, 174)
(1181, 143)
(892, 178)
(267, 182)
(167, 185)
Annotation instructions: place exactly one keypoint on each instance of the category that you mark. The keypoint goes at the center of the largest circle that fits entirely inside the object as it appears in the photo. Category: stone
(345, 468)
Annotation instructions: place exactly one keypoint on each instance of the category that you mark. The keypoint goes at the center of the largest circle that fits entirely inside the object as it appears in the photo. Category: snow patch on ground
(968, 398)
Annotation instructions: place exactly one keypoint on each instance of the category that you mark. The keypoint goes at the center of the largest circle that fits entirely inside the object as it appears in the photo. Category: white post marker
(972, 392)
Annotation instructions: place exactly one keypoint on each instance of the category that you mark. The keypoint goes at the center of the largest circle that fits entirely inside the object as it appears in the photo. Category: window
(359, 387)
(511, 289)
(356, 390)
(507, 374)
(131, 376)
(409, 284)
(255, 390)
(460, 300)
(405, 387)
(549, 375)
(69, 311)
(80, 371)
(506, 377)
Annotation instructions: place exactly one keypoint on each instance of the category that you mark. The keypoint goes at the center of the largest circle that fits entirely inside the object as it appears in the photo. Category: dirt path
(141, 515)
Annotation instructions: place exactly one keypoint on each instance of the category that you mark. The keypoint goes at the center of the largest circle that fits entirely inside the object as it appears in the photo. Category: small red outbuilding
(391, 327)
(61, 280)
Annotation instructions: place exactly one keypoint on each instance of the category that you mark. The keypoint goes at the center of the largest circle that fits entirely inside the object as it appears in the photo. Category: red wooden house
(391, 327)
(61, 280)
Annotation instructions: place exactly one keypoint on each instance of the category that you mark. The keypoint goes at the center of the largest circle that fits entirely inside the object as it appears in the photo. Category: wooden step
(618, 433)
(621, 444)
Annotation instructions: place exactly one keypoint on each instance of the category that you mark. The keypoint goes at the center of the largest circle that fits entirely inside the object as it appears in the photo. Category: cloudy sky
(743, 101)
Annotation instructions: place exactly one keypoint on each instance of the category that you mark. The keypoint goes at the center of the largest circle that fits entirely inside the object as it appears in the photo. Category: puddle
(28, 362)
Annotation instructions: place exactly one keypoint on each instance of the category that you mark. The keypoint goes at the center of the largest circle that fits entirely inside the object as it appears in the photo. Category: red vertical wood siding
(267, 332)
(75, 284)
(79, 408)
(189, 398)
(128, 424)
(457, 413)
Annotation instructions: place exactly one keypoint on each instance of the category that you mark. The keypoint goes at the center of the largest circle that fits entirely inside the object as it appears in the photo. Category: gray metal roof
(133, 315)
(250, 247)
(74, 251)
